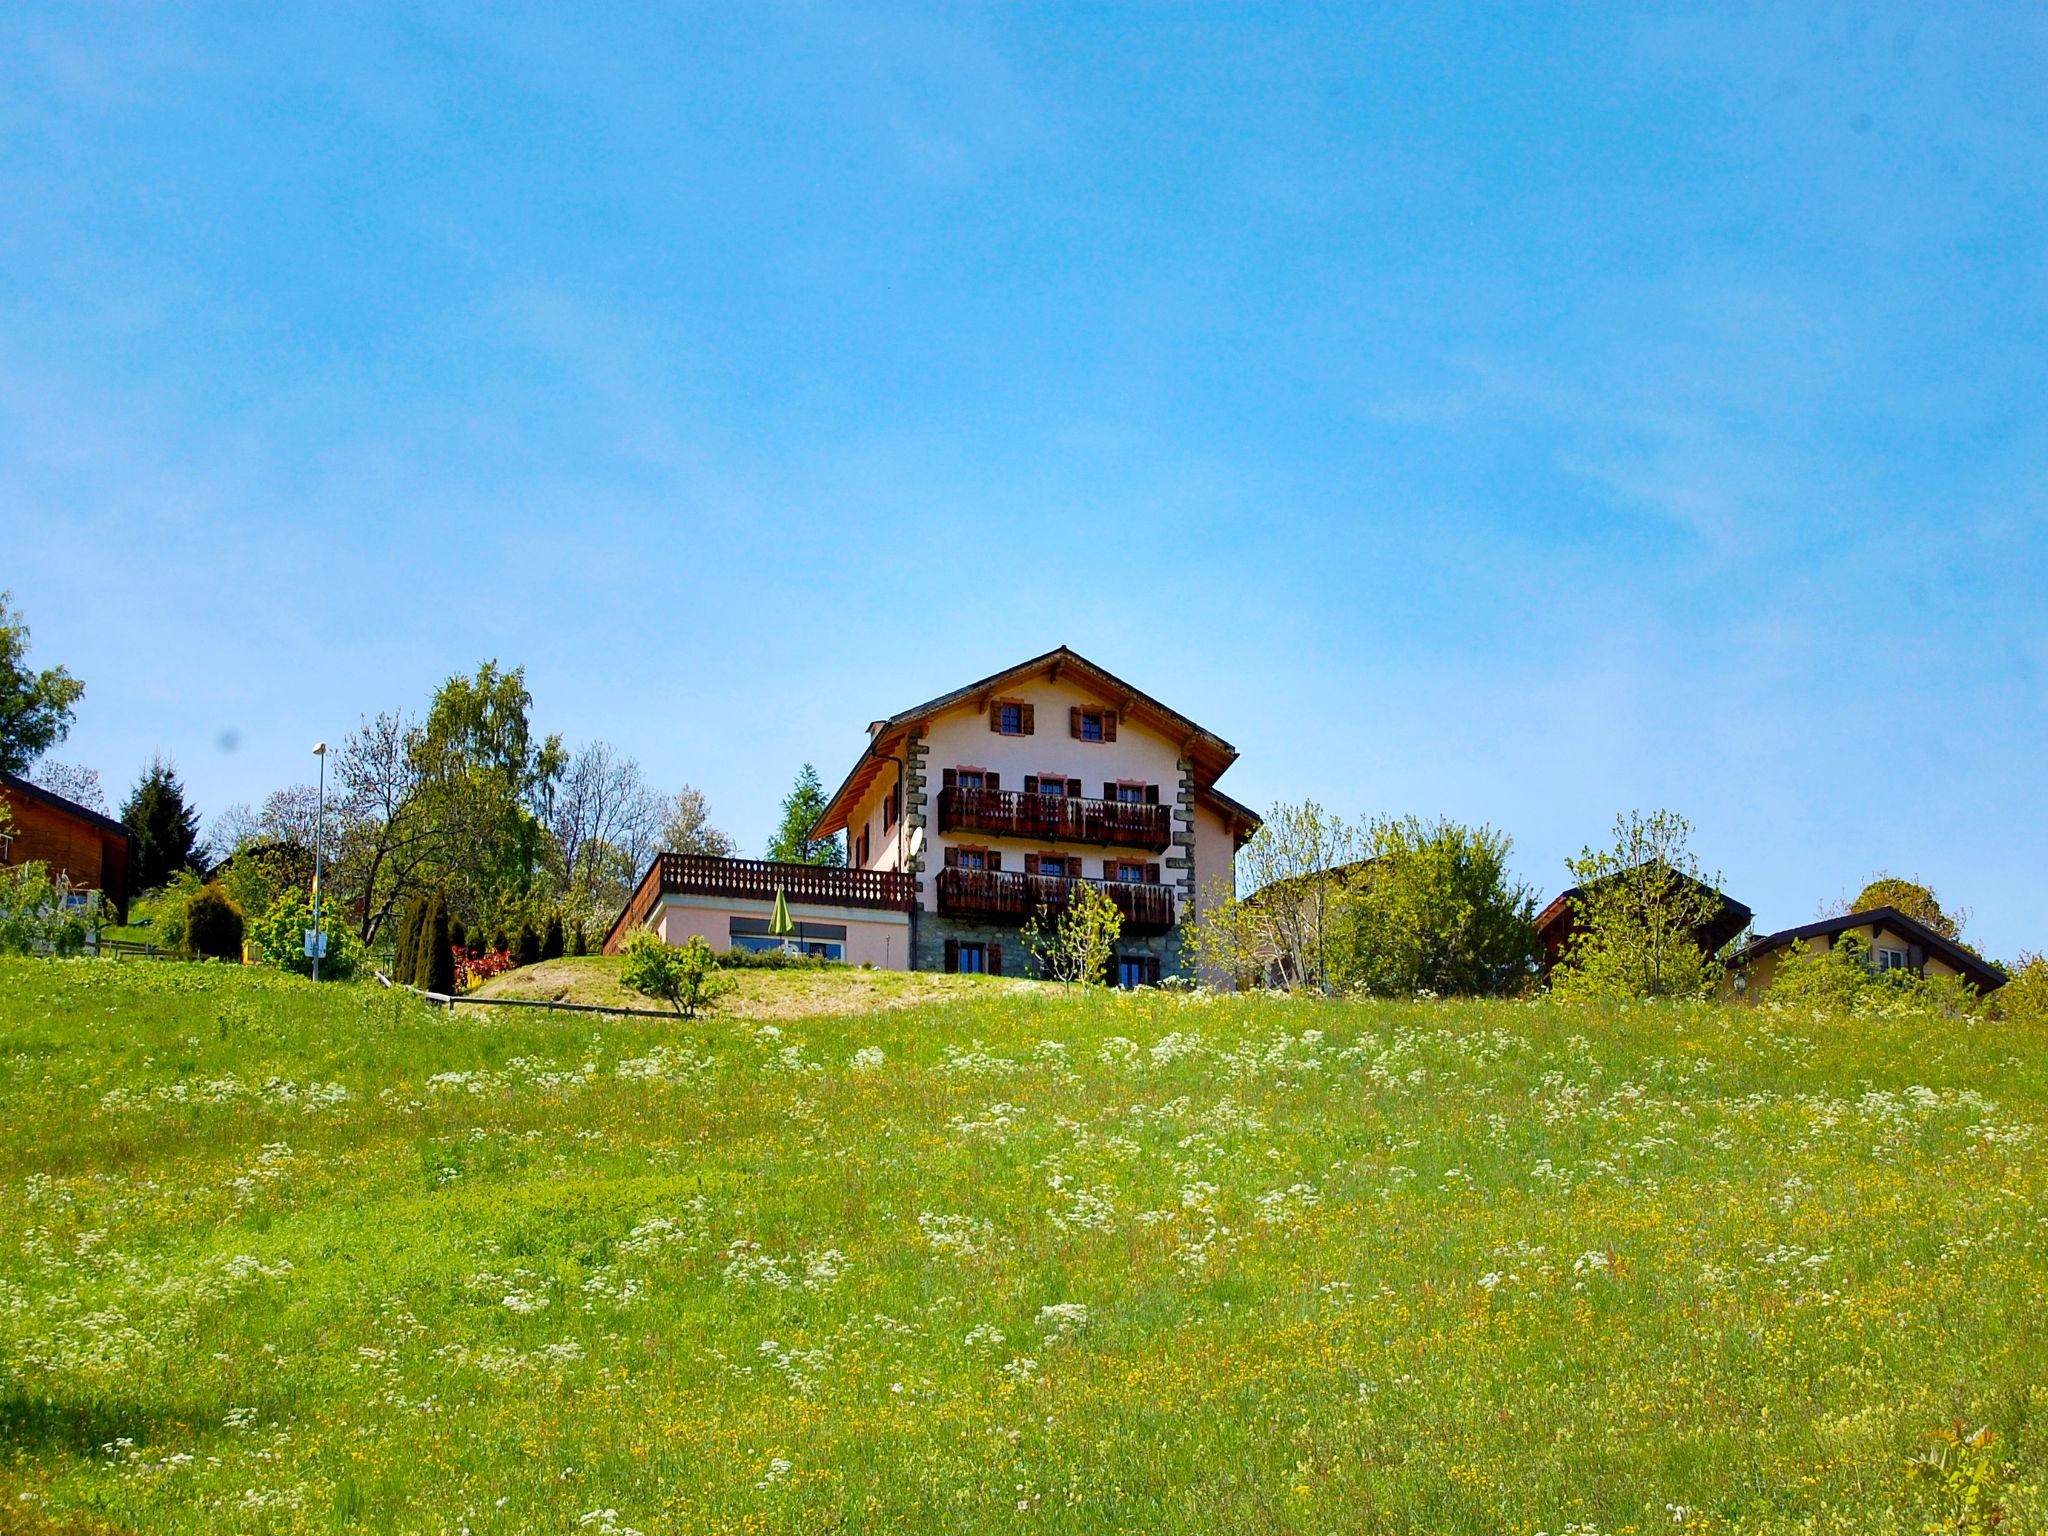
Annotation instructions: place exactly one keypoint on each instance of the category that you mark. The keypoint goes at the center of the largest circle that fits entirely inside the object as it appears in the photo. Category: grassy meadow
(278, 1258)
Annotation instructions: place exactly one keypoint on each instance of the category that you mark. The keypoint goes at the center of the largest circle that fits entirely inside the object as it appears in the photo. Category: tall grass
(278, 1258)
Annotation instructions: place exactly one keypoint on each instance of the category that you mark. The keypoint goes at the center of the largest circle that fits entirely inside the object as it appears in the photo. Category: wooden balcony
(1055, 818)
(1147, 909)
(690, 874)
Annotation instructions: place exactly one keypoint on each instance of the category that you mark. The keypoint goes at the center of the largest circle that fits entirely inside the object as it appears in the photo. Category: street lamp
(318, 937)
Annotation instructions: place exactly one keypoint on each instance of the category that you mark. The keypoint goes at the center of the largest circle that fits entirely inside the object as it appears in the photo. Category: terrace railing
(1055, 818)
(690, 874)
(999, 894)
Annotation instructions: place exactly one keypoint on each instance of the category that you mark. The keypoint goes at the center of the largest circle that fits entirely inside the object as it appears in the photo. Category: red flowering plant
(472, 971)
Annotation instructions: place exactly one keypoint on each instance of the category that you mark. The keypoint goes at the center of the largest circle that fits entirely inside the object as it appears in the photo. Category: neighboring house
(88, 850)
(1897, 942)
(975, 812)
(1558, 924)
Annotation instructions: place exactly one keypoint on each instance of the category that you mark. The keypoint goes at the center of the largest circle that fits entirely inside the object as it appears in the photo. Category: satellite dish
(913, 845)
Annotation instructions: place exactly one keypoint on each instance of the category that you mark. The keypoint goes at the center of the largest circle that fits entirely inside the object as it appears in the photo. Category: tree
(79, 785)
(213, 925)
(685, 978)
(1641, 909)
(801, 808)
(386, 843)
(163, 831)
(688, 828)
(1298, 866)
(1082, 939)
(1433, 909)
(551, 945)
(2024, 997)
(1912, 898)
(485, 784)
(35, 707)
(580, 944)
(526, 950)
(434, 965)
(603, 815)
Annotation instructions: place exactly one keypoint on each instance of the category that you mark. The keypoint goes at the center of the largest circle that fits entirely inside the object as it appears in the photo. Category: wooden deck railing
(690, 874)
(995, 893)
(1055, 818)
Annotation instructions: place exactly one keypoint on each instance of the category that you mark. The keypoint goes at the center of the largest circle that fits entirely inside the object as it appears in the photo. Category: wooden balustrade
(997, 893)
(690, 874)
(1055, 818)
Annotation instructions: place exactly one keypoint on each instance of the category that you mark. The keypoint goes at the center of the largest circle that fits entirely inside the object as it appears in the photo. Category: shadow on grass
(37, 1424)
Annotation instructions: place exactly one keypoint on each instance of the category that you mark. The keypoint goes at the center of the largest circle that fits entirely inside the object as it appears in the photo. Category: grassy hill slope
(279, 1259)
(763, 994)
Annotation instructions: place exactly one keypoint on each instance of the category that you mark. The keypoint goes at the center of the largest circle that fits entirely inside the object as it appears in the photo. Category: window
(1091, 724)
(1130, 794)
(1131, 874)
(1058, 865)
(968, 778)
(1137, 970)
(823, 941)
(970, 858)
(973, 959)
(892, 807)
(1056, 788)
(1010, 719)
(1891, 960)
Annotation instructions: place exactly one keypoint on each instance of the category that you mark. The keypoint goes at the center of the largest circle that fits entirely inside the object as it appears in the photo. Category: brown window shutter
(995, 959)
(995, 859)
(995, 715)
(1030, 863)
(1109, 791)
(1024, 722)
(952, 858)
(992, 781)
(1151, 874)
(1074, 788)
(950, 779)
(952, 954)
(1074, 721)
(1151, 794)
(1109, 725)
(1030, 783)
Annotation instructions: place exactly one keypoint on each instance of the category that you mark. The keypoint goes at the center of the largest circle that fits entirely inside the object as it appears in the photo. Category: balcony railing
(690, 874)
(994, 893)
(1055, 818)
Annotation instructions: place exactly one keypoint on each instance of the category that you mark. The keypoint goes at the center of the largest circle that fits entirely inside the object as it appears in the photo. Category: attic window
(1892, 960)
(1010, 719)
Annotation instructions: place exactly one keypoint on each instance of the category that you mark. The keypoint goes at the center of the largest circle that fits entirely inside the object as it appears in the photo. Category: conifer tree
(436, 971)
(528, 951)
(163, 831)
(551, 945)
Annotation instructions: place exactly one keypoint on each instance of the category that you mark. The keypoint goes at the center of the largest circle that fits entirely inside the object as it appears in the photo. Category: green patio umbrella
(779, 925)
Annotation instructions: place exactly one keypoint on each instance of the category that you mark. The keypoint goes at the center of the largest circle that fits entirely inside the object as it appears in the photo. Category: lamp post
(319, 853)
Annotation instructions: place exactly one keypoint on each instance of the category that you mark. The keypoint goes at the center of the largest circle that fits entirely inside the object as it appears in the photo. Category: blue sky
(1509, 412)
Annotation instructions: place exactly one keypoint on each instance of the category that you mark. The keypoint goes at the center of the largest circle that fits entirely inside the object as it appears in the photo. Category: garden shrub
(683, 976)
(580, 943)
(280, 938)
(213, 925)
(527, 952)
(551, 946)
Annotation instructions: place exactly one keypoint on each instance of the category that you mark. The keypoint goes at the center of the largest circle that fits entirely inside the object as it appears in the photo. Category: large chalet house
(972, 814)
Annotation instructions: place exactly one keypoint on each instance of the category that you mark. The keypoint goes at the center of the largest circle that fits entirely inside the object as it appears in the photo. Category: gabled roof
(31, 791)
(1209, 753)
(1729, 919)
(1974, 969)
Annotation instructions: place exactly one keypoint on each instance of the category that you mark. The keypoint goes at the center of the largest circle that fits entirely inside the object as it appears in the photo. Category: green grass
(279, 1259)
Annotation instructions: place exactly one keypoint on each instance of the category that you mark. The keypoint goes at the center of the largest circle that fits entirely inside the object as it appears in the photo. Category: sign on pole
(316, 944)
